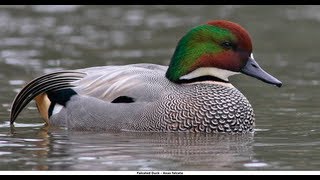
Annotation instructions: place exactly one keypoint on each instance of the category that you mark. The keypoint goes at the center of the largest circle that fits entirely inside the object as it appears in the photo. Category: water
(39, 39)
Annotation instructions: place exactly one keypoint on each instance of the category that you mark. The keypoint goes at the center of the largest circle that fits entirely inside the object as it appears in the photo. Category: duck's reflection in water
(74, 150)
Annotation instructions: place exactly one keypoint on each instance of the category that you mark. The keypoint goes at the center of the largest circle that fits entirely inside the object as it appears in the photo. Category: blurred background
(39, 39)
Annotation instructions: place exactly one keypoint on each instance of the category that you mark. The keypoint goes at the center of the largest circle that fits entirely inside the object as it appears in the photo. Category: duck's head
(215, 50)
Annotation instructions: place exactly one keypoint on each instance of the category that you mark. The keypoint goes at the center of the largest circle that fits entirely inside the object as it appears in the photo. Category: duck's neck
(215, 74)
(201, 79)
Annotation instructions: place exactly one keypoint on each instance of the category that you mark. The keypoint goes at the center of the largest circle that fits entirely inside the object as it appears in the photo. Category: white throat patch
(209, 71)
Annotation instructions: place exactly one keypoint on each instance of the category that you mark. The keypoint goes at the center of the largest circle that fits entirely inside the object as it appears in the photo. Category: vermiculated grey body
(159, 105)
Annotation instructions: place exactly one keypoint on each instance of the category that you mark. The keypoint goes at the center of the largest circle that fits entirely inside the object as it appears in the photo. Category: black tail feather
(49, 82)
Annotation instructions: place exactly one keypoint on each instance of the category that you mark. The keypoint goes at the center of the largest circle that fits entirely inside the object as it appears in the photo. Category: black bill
(253, 69)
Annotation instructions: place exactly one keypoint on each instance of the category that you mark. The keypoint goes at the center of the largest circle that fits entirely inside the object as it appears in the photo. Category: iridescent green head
(219, 49)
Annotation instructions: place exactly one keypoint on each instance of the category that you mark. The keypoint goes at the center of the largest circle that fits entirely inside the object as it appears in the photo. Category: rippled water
(39, 39)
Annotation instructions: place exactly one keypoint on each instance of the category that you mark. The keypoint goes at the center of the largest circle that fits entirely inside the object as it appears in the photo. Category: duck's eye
(227, 45)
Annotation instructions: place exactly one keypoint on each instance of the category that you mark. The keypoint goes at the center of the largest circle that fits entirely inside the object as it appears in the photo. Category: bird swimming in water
(192, 94)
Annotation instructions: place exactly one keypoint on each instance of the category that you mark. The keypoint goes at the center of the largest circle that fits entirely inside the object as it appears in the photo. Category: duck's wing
(108, 83)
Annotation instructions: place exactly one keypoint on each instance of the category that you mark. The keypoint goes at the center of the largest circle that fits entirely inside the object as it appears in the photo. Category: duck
(192, 94)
